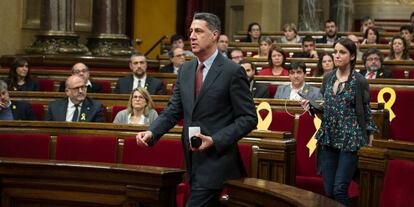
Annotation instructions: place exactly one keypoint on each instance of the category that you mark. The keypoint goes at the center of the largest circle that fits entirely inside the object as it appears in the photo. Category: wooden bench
(27, 182)
(257, 192)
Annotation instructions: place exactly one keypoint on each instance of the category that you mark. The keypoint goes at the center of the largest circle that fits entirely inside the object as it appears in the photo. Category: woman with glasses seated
(140, 109)
(19, 77)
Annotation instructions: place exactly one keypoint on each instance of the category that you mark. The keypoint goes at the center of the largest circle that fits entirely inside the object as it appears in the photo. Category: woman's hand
(305, 104)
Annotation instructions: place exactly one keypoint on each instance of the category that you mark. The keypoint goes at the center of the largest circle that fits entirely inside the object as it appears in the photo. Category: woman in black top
(19, 77)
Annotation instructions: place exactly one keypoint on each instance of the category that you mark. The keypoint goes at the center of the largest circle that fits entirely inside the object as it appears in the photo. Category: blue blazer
(22, 110)
(91, 108)
(283, 92)
(224, 110)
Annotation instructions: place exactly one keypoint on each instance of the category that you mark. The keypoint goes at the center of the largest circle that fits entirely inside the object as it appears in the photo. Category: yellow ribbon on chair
(390, 102)
(312, 142)
(263, 124)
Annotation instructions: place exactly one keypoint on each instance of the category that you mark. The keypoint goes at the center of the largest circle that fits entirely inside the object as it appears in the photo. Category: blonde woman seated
(290, 32)
(140, 109)
(265, 44)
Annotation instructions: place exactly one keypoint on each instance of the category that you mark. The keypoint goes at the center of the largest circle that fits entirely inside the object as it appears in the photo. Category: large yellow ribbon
(390, 102)
(312, 142)
(263, 124)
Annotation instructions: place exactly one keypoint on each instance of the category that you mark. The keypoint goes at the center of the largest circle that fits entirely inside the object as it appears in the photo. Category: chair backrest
(400, 126)
(86, 148)
(305, 165)
(115, 110)
(272, 90)
(165, 153)
(398, 185)
(39, 111)
(397, 73)
(106, 86)
(282, 121)
(246, 154)
(46, 85)
(36, 146)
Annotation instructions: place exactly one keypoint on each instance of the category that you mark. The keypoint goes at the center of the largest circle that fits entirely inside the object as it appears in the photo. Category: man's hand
(143, 138)
(3, 105)
(206, 142)
(314, 54)
(305, 104)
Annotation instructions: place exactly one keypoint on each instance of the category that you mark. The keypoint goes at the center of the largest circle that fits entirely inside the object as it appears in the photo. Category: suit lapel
(62, 116)
(84, 113)
(212, 74)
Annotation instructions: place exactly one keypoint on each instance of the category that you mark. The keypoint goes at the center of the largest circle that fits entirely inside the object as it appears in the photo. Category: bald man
(81, 70)
(76, 107)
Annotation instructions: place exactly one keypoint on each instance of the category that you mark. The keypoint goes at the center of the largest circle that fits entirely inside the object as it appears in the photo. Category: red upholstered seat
(115, 110)
(39, 111)
(306, 175)
(272, 90)
(46, 85)
(36, 146)
(411, 74)
(165, 153)
(246, 153)
(282, 121)
(86, 148)
(400, 126)
(398, 187)
(397, 73)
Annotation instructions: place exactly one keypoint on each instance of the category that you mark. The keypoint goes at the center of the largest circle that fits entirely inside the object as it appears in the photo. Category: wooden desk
(256, 192)
(26, 182)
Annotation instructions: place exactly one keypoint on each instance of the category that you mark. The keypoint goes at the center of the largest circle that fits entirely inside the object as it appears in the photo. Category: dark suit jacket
(153, 85)
(30, 85)
(167, 69)
(324, 39)
(260, 90)
(96, 87)
(380, 74)
(223, 110)
(22, 110)
(91, 108)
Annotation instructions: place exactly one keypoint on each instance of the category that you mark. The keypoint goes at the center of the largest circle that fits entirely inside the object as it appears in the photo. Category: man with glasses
(76, 107)
(177, 58)
(139, 78)
(373, 60)
(82, 70)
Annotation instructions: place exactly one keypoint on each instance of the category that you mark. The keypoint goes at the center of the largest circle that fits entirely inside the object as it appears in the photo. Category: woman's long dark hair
(320, 71)
(249, 29)
(404, 55)
(12, 79)
(279, 50)
(352, 48)
(376, 33)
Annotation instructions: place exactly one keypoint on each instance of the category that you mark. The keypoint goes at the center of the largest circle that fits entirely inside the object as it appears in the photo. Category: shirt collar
(71, 104)
(207, 63)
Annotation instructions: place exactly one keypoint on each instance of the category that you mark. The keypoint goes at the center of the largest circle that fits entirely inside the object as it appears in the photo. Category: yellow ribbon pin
(390, 102)
(312, 142)
(83, 116)
(263, 124)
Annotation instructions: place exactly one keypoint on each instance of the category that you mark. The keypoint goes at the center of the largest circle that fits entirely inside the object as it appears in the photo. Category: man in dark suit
(139, 78)
(258, 90)
(373, 60)
(82, 70)
(13, 110)
(331, 33)
(308, 49)
(212, 95)
(177, 58)
(76, 107)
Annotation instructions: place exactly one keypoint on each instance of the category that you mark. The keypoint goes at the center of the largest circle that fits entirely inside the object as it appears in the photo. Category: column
(57, 34)
(310, 15)
(342, 11)
(108, 29)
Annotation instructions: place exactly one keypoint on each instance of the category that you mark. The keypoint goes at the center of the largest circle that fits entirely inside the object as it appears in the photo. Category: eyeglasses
(179, 55)
(139, 97)
(80, 71)
(82, 88)
(373, 59)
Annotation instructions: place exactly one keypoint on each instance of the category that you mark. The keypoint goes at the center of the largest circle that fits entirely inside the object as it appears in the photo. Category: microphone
(195, 142)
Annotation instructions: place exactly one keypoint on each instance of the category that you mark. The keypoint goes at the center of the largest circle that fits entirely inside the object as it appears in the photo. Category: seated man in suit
(373, 60)
(223, 44)
(331, 35)
(76, 107)
(177, 58)
(236, 55)
(258, 90)
(82, 70)
(308, 49)
(13, 110)
(178, 41)
(139, 78)
(297, 74)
